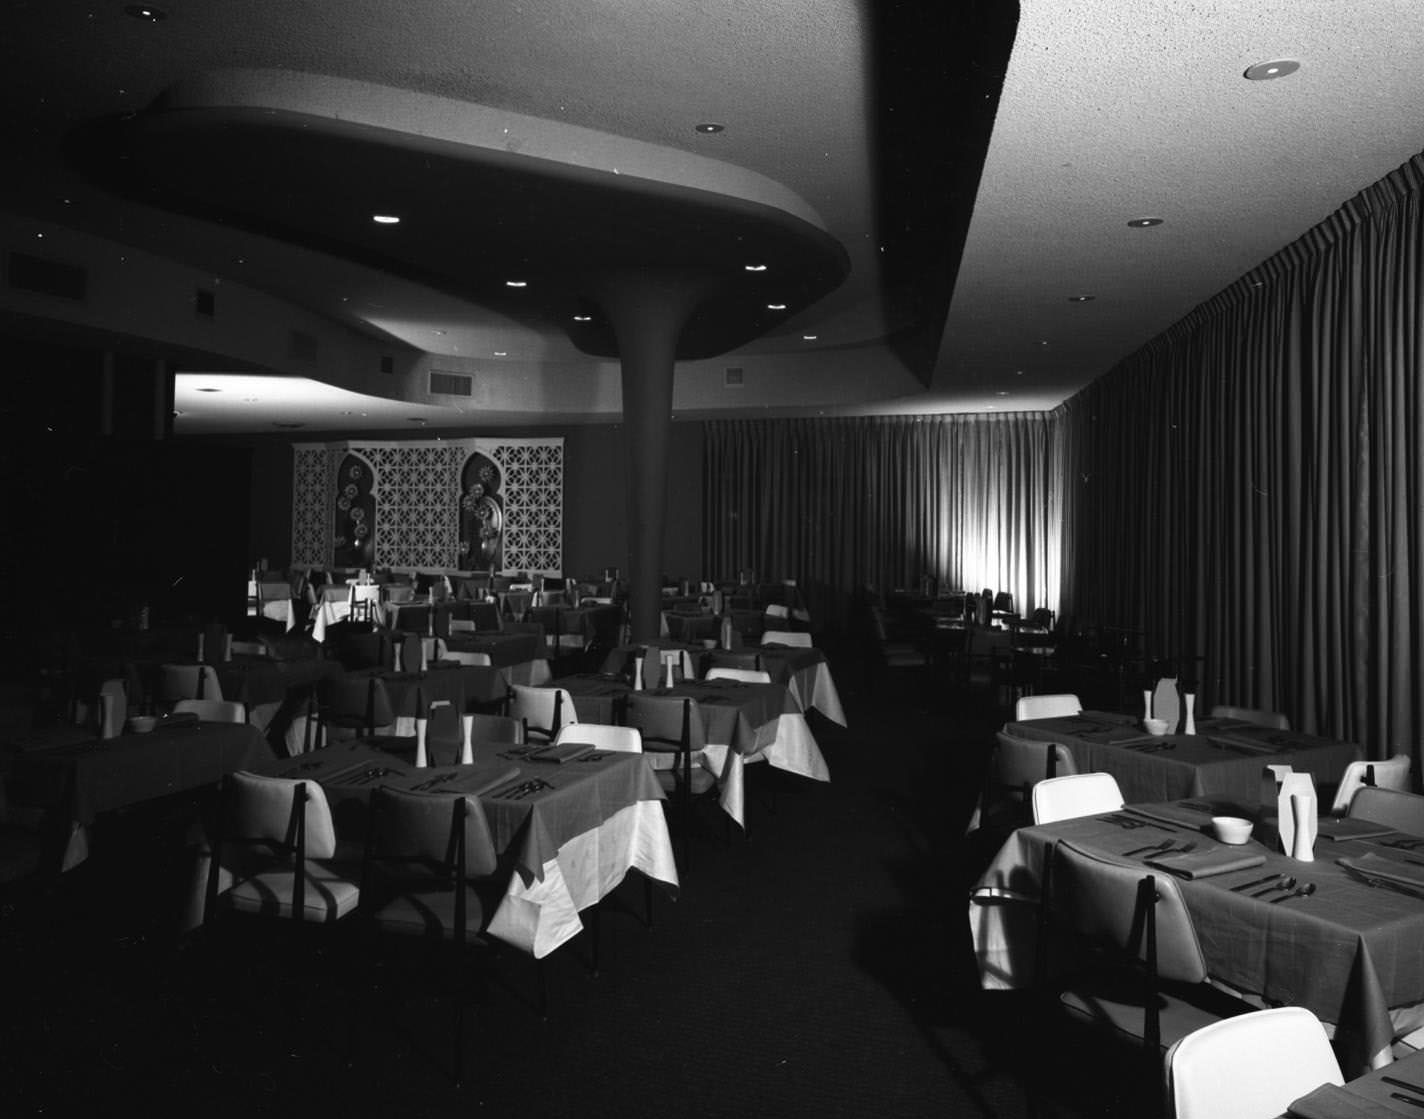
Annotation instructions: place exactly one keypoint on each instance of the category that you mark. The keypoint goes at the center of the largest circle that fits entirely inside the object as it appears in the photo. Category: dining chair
(746, 675)
(1137, 965)
(213, 710)
(674, 735)
(1394, 808)
(358, 646)
(1017, 765)
(1251, 1066)
(1046, 706)
(187, 681)
(440, 735)
(543, 711)
(359, 704)
(797, 639)
(1392, 773)
(1077, 794)
(627, 740)
(409, 654)
(1251, 715)
(496, 729)
(431, 872)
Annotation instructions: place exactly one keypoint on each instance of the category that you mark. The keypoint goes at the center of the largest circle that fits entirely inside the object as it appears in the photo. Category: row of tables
(1351, 951)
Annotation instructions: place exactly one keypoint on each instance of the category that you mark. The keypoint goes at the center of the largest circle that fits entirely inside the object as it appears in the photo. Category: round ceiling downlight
(1268, 71)
(1145, 223)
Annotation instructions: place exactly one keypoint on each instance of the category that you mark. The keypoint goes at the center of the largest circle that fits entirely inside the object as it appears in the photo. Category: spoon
(1286, 883)
(1303, 892)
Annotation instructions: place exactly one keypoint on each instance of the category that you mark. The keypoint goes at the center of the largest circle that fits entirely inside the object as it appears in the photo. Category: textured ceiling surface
(843, 110)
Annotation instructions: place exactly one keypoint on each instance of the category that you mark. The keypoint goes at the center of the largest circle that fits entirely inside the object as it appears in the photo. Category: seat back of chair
(544, 711)
(486, 617)
(1251, 715)
(1108, 902)
(1392, 773)
(1021, 763)
(1080, 794)
(411, 654)
(786, 637)
(1251, 1066)
(265, 809)
(628, 740)
(213, 710)
(444, 733)
(187, 681)
(1392, 807)
(1046, 706)
(666, 721)
(113, 708)
(355, 701)
(496, 729)
(746, 675)
(432, 827)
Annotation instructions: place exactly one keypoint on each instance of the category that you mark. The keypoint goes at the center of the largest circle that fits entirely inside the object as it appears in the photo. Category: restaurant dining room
(820, 558)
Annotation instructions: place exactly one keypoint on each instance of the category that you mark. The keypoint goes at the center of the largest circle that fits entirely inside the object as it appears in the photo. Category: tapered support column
(647, 309)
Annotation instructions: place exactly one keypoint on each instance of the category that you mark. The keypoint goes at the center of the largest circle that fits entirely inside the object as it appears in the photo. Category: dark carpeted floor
(820, 967)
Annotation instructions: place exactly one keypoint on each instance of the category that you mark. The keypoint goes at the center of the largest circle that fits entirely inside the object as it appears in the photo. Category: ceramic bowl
(1231, 829)
(1155, 726)
(142, 724)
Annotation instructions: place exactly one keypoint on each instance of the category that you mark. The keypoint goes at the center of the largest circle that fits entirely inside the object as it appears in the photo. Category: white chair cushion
(327, 897)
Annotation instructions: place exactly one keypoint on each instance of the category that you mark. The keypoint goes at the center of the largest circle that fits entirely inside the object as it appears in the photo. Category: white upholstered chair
(1079, 794)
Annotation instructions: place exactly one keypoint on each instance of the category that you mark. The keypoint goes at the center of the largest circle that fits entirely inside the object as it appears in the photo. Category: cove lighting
(385, 219)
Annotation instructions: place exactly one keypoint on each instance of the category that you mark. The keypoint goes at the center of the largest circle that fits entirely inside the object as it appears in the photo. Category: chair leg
(648, 898)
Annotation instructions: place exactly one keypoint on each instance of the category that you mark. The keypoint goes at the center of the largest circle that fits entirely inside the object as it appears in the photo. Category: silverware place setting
(1285, 883)
(1166, 847)
(1304, 890)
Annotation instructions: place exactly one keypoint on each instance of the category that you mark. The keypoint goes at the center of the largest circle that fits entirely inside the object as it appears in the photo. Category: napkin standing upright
(467, 750)
(1146, 703)
(1289, 815)
(1189, 719)
(1305, 811)
(421, 760)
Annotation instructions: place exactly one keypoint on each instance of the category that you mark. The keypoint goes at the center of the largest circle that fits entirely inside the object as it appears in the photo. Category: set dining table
(1339, 934)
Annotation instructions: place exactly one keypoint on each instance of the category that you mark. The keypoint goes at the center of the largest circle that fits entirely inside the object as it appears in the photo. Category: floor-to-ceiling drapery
(1250, 486)
(881, 501)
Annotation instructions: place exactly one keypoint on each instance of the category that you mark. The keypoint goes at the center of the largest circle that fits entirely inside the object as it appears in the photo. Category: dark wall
(595, 498)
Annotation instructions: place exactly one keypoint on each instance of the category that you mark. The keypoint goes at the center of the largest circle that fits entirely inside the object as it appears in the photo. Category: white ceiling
(1108, 112)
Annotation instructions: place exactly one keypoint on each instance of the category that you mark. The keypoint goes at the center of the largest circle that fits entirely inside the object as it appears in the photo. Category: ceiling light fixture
(1144, 223)
(516, 283)
(583, 318)
(143, 11)
(776, 306)
(1266, 71)
(385, 219)
(754, 267)
(808, 337)
(210, 390)
(710, 129)
(1081, 298)
(501, 353)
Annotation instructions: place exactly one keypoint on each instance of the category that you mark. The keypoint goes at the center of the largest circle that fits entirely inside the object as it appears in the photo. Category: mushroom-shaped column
(647, 309)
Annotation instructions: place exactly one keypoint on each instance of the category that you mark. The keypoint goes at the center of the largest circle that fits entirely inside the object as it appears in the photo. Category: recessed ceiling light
(776, 306)
(516, 283)
(1265, 71)
(755, 267)
(708, 128)
(439, 332)
(1081, 298)
(1002, 392)
(385, 219)
(348, 413)
(808, 337)
(1144, 223)
(501, 353)
(143, 11)
(583, 318)
(210, 390)
(1018, 372)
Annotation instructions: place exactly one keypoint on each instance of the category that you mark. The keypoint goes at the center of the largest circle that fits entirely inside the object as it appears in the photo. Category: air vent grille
(450, 384)
(46, 277)
(732, 377)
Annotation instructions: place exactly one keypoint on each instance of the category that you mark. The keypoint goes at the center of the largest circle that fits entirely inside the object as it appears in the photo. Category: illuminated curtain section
(1250, 486)
(844, 503)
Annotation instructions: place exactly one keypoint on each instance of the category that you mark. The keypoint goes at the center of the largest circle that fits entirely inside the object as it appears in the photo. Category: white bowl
(1231, 829)
(1155, 726)
(142, 724)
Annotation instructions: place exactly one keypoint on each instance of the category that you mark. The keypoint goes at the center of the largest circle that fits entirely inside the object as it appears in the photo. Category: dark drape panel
(843, 503)
(1250, 486)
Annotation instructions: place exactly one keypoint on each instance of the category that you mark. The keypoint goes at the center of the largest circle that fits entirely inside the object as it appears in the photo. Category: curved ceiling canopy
(475, 218)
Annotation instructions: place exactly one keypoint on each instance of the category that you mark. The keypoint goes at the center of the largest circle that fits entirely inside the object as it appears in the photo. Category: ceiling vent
(46, 277)
(450, 384)
(301, 346)
(732, 377)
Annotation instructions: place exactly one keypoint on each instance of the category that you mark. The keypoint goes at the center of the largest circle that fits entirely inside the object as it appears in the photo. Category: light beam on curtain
(844, 503)
(1249, 487)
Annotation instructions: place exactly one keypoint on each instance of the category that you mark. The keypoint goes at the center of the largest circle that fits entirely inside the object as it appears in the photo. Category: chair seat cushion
(430, 912)
(328, 896)
(1110, 1003)
(671, 779)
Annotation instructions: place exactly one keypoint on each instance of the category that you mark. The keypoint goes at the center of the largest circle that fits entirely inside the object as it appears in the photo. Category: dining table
(567, 832)
(742, 721)
(1339, 934)
(1224, 758)
(1385, 1093)
(805, 671)
(334, 605)
(275, 692)
(470, 688)
(74, 778)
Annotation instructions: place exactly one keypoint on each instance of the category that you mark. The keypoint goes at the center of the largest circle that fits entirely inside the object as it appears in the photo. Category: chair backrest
(666, 721)
(356, 702)
(786, 637)
(1390, 774)
(486, 617)
(544, 711)
(776, 610)
(410, 655)
(113, 708)
(1251, 1066)
(263, 809)
(1046, 706)
(1251, 715)
(496, 729)
(187, 681)
(432, 828)
(628, 740)
(1108, 902)
(1079, 794)
(1021, 763)
(359, 647)
(1392, 807)
(748, 675)
(213, 710)
(444, 734)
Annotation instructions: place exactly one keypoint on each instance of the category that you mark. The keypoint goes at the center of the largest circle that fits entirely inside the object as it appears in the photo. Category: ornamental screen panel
(461, 504)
